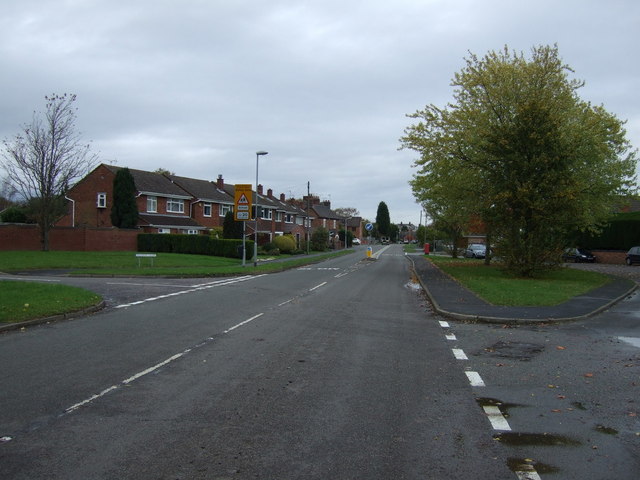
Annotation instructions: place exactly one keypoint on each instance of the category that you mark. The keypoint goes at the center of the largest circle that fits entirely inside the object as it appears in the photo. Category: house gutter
(73, 210)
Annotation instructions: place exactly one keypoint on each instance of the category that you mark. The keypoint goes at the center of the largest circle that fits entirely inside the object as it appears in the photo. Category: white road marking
(475, 379)
(285, 302)
(527, 475)
(444, 324)
(450, 336)
(243, 323)
(635, 341)
(317, 286)
(459, 354)
(498, 422)
(195, 288)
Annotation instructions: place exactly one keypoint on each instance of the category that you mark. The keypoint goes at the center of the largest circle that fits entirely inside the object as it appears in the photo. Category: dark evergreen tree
(383, 221)
(124, 212)
(231, 228)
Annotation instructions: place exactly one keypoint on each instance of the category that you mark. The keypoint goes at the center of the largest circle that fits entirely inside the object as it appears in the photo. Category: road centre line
(317, 286)
(459, 354)
(450, 336)
(498, 422)
(475, 379)
(444, 324)
(243, 323)
(195, 288)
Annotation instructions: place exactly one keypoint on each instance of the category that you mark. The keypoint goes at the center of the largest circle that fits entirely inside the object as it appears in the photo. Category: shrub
(285, 243)
(320, 239)
(191, 244)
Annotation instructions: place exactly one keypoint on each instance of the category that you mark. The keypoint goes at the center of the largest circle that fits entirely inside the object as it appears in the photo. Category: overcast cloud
(197, 87)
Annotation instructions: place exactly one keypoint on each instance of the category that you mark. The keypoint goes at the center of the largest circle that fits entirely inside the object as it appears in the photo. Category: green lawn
(496, 287)
(22, 300)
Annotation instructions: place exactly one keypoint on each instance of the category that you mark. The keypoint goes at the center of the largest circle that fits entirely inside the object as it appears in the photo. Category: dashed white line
(527, 475)
(317, 286)
(498, 422)
(459, 354)
(243, 323)
(444, 324)
(475, 379)
(450, 336)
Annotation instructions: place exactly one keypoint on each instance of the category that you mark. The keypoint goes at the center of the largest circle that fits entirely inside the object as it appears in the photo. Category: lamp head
(261, 153)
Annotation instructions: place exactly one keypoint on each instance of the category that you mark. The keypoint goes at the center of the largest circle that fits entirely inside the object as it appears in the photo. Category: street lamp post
(255, 205)
(345, 230)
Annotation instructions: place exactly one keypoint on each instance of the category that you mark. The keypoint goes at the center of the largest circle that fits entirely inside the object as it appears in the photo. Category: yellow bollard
(369, 252)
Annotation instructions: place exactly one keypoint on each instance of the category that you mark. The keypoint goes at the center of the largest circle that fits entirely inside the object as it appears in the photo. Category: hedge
(621, 233)
(192, 244)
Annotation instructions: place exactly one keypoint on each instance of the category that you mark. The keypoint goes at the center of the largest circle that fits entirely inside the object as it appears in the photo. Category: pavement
(450, 299)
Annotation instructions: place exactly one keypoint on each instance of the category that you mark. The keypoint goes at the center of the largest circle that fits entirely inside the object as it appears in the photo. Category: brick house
(175, 204)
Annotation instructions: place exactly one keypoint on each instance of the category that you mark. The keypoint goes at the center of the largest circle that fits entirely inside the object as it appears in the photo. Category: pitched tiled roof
(154, 183)
(323, 211)
(202, 189)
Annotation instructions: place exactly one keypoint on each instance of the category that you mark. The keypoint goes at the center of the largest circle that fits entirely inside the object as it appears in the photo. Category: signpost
(242, 201)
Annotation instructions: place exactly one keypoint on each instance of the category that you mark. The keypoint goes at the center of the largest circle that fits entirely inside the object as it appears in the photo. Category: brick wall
(610, 256)
(27, 237)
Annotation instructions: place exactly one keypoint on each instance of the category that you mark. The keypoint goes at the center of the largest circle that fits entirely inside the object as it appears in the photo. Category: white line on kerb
(459, 354)
(475, 379)
(498, 422)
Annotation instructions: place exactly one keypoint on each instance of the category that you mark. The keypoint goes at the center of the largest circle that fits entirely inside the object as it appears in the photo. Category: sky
(197, 87)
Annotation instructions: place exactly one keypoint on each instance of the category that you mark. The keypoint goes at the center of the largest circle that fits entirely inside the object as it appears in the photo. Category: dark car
(578, 255)
(633, 256)
(475, 250)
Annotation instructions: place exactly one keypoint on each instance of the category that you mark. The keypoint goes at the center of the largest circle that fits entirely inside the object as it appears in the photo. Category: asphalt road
(338, 370)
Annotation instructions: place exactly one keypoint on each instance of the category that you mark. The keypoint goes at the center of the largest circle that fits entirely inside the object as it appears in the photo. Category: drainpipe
(73, 210)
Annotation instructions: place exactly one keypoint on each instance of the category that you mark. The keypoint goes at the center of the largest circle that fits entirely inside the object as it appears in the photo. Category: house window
(152, 204)
(164, 230)
(288, 218)
(190, 232)
(101, 200)
(267, 214)
(278, 216)
(224, 209)
(175, 205)
(299, 220)
(206, 209)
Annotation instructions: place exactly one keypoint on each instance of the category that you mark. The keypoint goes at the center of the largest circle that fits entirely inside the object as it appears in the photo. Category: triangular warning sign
(243, 200)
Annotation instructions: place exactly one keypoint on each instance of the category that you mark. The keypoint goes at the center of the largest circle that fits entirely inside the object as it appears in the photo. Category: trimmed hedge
(192, 244)
(621, 233)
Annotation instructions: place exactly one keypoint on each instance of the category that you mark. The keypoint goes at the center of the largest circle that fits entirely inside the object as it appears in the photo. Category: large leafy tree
(124, 211)
(521, 151)
(45, 159)
(383, 221)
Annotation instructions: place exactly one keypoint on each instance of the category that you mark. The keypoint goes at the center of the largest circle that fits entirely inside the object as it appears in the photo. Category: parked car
(355, 241)
(475, 250)
(578, 255)
(633, 256)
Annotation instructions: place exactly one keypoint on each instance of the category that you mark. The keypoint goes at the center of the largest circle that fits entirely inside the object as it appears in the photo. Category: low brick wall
(613, 257)
(27, 237)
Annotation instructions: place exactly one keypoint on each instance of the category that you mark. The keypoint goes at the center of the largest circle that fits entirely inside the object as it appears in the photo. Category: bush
(320, 239)
(191, 244)
(285, 243)
(14, 215)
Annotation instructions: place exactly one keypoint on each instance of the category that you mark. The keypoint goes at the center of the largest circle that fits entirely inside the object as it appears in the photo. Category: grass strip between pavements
(494, 285)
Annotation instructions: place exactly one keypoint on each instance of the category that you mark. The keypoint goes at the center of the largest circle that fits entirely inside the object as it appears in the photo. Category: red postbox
(426, 249)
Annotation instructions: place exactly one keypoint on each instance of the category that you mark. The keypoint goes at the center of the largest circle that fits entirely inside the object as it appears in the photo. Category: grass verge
(495, 286)
(21, 301)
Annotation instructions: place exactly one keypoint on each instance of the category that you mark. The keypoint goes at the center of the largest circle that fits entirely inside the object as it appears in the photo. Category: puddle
(526, 464)
(578, 405)
(535, 439)
(515, 350)
(635, 341)
(605, 430)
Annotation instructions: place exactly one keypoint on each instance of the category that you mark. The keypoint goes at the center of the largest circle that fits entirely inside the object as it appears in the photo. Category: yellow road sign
(243, 199)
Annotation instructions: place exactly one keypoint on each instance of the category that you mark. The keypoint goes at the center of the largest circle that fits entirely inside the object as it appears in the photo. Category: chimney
(259, 189)
(270, 193)
(220, 182)
(326, 203)
(282, 197)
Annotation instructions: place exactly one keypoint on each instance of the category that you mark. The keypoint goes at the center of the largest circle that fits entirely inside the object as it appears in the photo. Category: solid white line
(475, 379)
(450, 336)
(459, 354)
(317, 286)
(444, 324)
(243, 323)
(498, 422)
